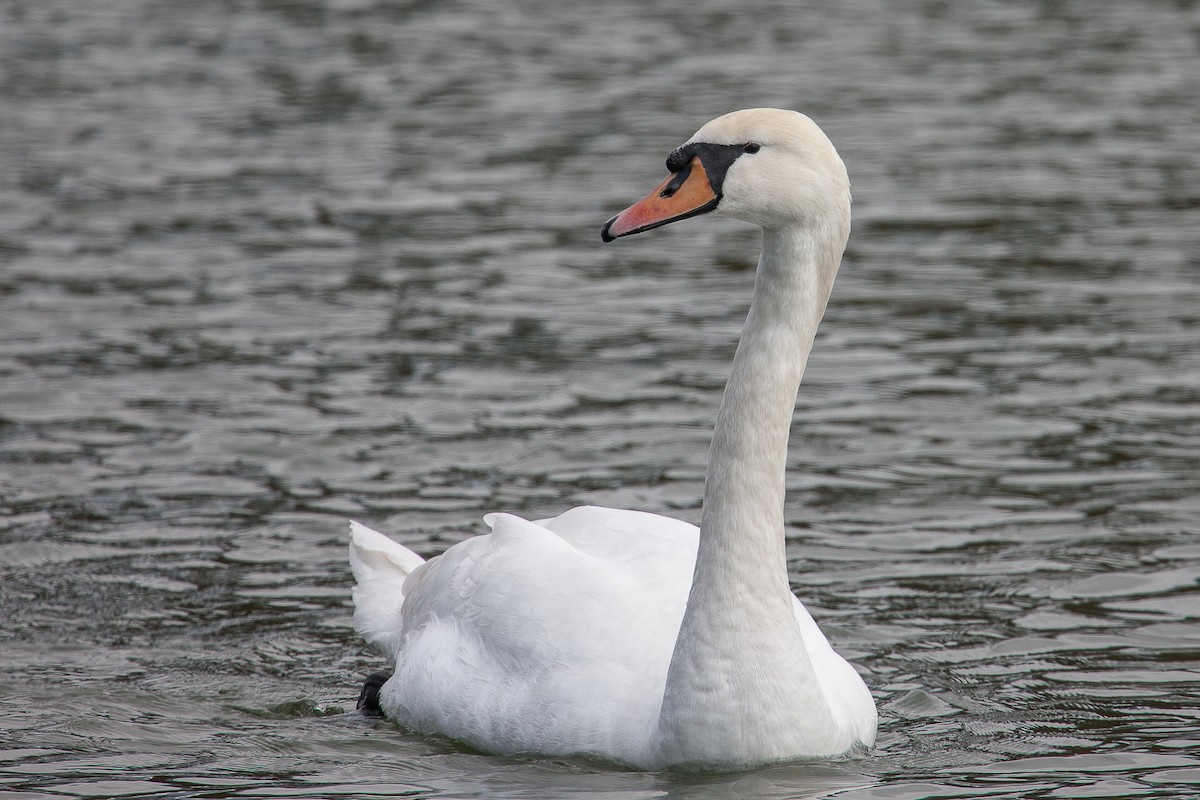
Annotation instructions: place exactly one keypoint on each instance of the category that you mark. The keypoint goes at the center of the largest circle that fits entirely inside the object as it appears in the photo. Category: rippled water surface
(269, 264)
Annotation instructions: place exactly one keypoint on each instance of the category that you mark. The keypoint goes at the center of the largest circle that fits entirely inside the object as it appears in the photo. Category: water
(268, 265)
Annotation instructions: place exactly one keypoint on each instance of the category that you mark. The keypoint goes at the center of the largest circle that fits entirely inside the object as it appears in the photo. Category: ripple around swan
(266, 267)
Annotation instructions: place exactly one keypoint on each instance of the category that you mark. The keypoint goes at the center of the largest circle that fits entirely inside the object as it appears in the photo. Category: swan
(629, 636)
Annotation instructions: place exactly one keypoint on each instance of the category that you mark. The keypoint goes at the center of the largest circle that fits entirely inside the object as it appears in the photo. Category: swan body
(632, 636)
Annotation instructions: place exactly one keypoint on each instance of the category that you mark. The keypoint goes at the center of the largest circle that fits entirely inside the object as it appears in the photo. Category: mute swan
(626, 635)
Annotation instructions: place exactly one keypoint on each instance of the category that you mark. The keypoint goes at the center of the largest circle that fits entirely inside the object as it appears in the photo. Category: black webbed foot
(368, 698)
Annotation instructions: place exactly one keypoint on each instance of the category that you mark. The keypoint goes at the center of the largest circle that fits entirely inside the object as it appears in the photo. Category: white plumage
(602, 631)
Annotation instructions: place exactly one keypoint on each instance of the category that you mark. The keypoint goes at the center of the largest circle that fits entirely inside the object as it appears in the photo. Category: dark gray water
(268, 265)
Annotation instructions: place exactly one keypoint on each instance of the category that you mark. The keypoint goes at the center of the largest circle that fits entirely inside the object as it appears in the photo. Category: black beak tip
(605, 236)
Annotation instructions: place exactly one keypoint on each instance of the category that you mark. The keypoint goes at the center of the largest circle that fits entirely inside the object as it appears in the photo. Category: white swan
(631, 636)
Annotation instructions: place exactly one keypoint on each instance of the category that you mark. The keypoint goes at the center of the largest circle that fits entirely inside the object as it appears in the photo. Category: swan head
(767, 166)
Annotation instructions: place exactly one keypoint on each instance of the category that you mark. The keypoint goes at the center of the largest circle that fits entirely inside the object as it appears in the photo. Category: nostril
(676, 182)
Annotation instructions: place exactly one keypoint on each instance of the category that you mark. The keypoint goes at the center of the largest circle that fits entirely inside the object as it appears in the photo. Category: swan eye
(751, 147)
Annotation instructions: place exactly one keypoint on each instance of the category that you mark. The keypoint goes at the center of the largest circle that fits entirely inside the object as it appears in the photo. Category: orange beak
(684, 194)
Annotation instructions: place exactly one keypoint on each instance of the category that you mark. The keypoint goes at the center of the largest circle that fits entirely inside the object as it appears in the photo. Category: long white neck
(740, 664)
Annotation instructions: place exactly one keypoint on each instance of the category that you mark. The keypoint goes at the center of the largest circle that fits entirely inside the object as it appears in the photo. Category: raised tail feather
(380, 567)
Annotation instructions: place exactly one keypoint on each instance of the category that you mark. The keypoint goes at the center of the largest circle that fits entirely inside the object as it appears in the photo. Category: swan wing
(551, 636)
(849, 699)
